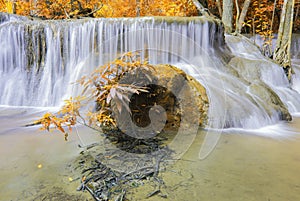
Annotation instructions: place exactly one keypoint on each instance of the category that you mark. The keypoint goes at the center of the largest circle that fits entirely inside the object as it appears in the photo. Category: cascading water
(295, 56)
(39, 60)
(295, 51)
(295, 46)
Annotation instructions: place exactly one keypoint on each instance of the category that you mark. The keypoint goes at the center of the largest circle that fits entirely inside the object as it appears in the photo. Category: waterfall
(295, 46)
(40, 59)
(295, 50)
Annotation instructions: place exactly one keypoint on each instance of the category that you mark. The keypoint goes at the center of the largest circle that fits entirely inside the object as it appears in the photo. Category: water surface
(245, 165)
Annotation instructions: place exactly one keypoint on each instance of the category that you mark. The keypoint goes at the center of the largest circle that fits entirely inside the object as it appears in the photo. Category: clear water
(23, 149)
(242, 167)
(245, 164)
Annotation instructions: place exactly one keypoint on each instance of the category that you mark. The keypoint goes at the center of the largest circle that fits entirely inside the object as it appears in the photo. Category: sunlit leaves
(6, 6)
(168, 8)
(24, 7)
(66, 117)
(64, 9)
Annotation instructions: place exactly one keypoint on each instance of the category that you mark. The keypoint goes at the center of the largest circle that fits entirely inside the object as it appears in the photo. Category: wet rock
(259, 78)
(270, 100)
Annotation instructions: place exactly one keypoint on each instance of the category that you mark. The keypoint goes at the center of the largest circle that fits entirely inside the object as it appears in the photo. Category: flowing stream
(249, 96)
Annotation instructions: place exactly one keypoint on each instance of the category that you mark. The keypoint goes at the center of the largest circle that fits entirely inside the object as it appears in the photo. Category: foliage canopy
(262, 18)
(64, 9)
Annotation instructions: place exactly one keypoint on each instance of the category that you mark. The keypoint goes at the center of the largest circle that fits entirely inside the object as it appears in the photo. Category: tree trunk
(138, 8)
(273, 14)
(14, 7)
(227, 15)
(243, 15)
(237, 14)
(200, 8)
(219, 7)
(282, 53)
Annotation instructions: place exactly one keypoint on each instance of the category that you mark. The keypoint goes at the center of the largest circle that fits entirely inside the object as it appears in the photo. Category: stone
(172, 97)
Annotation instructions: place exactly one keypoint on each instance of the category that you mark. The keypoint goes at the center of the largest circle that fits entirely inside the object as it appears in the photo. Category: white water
(295, 49)
(37, 67)
(234, 101)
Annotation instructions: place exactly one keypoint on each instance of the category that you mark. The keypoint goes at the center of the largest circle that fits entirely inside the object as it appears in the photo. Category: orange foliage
(24, 7)
(69, 113)
(261, 18)
(62, 9)
(102, 87)
(6, 6)
(168, 8)
(118, 8)
(259, 15)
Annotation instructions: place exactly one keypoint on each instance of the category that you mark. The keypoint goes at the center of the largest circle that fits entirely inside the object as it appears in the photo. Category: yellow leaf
(9, 7)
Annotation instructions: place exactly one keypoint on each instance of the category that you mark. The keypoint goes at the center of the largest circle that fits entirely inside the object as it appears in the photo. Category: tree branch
(200, 8)
(219, 7)
(237, 15)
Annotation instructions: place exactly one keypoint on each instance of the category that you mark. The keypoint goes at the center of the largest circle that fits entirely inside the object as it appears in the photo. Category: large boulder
(174, 99)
